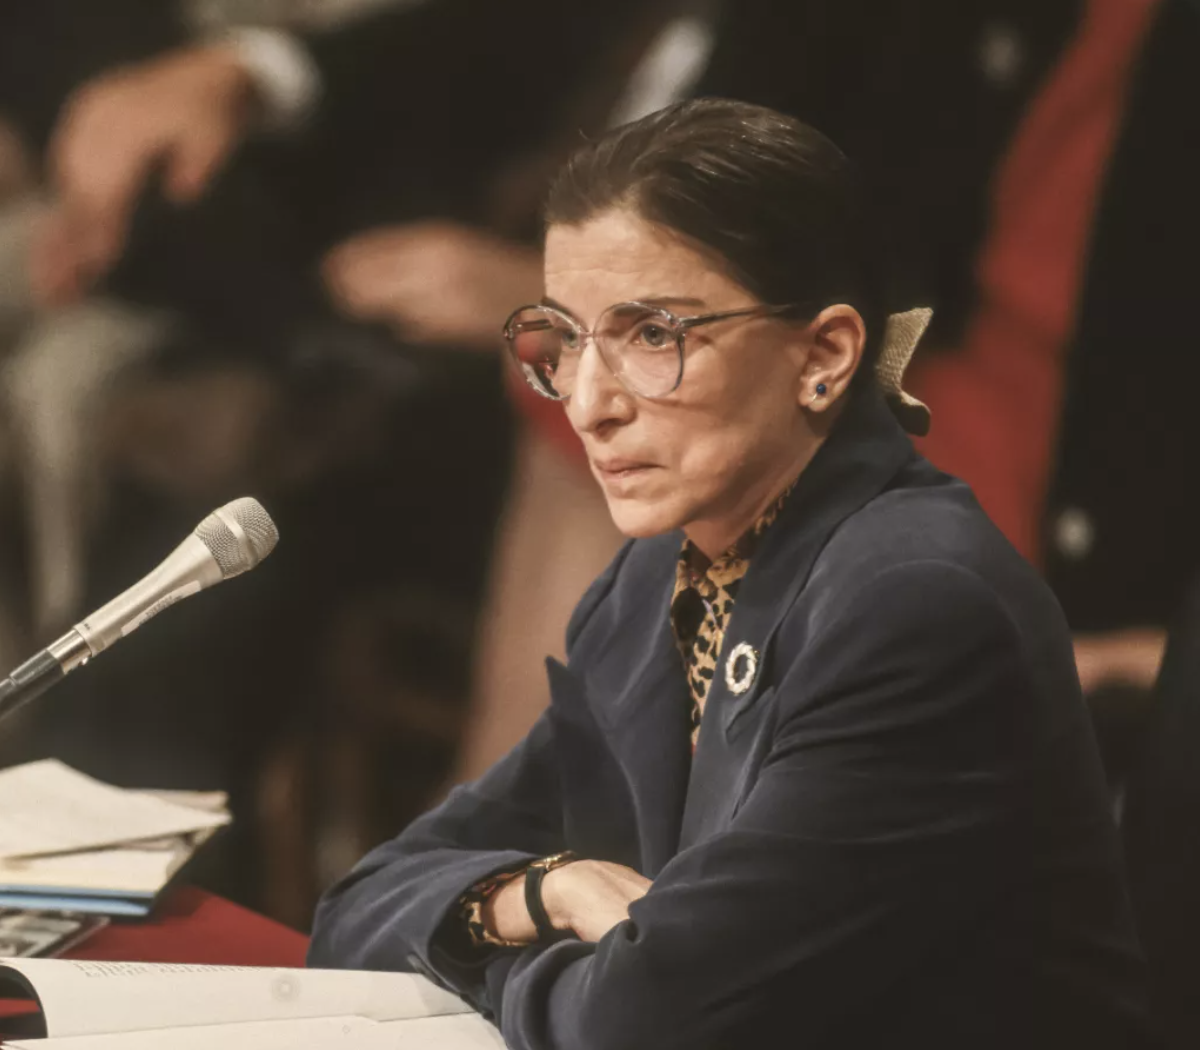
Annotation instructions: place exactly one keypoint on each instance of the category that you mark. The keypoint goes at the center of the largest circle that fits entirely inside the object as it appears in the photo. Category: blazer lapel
(865, 451)
(636, 691)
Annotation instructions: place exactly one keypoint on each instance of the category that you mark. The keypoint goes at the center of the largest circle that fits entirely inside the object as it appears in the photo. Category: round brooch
(740, 668)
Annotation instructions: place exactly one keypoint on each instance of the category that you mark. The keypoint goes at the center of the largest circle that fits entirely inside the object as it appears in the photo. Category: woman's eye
(569, 338)
(654, 335)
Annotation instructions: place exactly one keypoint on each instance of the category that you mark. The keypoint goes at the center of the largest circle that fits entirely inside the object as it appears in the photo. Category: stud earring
(822, 390)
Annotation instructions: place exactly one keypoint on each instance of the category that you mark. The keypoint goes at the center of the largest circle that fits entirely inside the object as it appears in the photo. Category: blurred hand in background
(1120, 658)
(177, 118)
(434, 282)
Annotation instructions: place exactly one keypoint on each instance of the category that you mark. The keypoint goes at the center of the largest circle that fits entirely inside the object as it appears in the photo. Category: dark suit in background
(897, 836)
(1162, 842)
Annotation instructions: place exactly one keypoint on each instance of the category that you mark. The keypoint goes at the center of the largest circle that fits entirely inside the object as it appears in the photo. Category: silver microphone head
(238, 535)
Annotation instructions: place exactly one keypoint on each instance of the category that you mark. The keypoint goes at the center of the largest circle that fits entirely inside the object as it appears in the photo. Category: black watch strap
(533, 895)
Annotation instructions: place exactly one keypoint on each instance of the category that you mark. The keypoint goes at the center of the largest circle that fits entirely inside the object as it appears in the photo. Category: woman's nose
(597, 397)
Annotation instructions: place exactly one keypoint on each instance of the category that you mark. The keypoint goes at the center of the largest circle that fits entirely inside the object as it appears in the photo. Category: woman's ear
(839, 336)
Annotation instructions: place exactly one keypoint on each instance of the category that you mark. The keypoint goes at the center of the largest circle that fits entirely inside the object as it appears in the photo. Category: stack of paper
(73, 843)
(144, 1006)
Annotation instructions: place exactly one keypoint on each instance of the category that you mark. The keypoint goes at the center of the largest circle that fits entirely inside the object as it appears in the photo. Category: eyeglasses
(642, 345)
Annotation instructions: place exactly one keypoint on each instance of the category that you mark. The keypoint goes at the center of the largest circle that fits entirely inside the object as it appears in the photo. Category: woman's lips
(621, 472)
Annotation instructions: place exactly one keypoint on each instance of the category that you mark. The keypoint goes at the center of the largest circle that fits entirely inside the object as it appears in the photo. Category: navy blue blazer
(898, 835)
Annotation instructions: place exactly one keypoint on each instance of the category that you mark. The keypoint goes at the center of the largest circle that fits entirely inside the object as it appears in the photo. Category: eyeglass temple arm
(761, 311)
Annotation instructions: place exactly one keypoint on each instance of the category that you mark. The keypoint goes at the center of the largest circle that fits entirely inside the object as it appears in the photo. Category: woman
(818, 752)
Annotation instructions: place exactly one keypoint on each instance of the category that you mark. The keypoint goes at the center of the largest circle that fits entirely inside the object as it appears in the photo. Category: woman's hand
(587, 897)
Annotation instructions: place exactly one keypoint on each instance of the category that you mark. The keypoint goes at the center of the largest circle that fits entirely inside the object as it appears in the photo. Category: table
(198, 927)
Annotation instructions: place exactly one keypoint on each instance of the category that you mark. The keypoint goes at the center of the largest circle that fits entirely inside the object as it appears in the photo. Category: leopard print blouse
(702, 602)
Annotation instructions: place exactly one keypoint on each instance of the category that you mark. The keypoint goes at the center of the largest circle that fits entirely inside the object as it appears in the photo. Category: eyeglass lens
(641, 345)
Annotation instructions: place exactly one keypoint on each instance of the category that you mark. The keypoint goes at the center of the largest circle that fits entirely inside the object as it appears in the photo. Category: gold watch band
(555, 861)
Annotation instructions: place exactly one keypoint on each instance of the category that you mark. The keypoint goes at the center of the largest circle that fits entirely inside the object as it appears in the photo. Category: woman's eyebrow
(547, 301)
(671, 300)
(649, 300)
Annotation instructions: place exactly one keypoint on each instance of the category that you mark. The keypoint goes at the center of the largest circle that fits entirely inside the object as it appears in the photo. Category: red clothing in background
(996, 401)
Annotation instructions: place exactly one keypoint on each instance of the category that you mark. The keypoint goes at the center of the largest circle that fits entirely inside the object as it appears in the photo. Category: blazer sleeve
(875, 832)
(397, 910)
(391, 911)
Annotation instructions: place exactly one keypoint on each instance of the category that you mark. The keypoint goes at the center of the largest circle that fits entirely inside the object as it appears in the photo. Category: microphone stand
(43, 671)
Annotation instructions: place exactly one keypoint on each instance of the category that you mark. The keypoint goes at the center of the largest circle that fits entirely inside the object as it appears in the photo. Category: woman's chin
(640, 520)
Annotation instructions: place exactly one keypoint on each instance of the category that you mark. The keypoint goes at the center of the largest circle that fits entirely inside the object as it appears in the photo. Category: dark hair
(772, 198)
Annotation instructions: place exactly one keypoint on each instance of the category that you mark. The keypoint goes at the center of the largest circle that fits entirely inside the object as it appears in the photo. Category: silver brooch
(740, 668)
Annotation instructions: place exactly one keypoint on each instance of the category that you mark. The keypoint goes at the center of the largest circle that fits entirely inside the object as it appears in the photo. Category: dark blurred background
(266, 247)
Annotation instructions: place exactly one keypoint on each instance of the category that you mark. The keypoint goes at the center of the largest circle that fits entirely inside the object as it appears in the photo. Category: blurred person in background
(16, 178)
(41, 397)
(136, 396)
(1065, 381)
(228, 274)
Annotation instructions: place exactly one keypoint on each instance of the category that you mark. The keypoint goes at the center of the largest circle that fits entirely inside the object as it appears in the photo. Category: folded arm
(872, 838)
(399, 908)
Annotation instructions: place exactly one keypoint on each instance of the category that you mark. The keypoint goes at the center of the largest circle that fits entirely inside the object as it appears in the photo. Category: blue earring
(822, 389)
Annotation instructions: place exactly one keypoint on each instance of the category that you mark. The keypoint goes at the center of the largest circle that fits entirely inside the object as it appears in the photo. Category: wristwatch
(533, 894)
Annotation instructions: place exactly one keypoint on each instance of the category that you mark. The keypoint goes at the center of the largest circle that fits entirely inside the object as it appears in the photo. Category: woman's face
(710, 456)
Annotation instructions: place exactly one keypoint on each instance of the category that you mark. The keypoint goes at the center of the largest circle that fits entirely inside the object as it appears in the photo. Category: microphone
(231, 540)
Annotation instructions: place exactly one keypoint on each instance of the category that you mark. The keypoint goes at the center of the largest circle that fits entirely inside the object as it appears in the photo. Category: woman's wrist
(505, 913)
(505, 916)
(556, 894)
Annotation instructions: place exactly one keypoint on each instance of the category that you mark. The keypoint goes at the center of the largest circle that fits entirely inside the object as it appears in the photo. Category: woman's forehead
(618, 256)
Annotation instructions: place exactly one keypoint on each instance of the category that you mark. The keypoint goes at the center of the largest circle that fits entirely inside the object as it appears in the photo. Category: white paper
(462, 1032)
(210, 801)
(47, 807)
(121, 870)
(308, 1034)
(84, 998)
(142, 868)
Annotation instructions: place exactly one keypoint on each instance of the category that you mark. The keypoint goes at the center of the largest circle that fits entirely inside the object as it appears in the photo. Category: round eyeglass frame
(676, 324)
